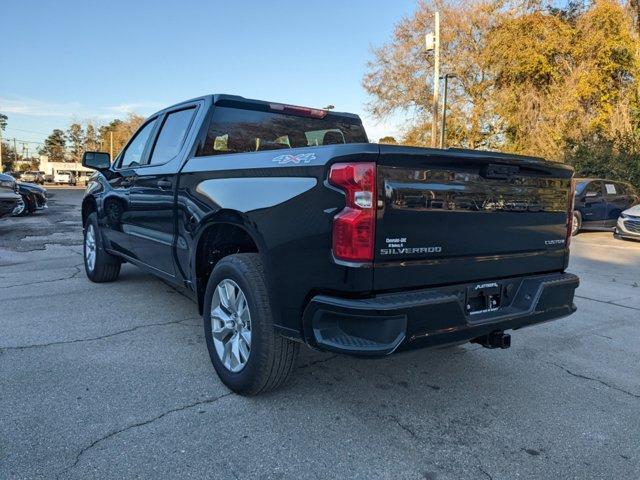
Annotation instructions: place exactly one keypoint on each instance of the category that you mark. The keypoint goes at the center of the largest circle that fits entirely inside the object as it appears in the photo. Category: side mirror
(96, 160)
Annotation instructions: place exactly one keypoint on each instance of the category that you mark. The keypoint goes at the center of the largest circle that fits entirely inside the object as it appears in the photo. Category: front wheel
(577, 223)
(99, 265)
(247, 354)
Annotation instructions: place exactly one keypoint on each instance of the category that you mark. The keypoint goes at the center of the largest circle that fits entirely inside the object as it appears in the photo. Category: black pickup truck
(287, 227)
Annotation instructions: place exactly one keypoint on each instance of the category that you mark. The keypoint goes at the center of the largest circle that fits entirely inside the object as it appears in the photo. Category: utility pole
(1, 170)
(15, 152)
(443, 126)
(111, 144)
(432, 41)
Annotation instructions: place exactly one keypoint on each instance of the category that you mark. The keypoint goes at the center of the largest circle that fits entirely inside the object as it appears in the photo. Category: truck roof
(237, 101)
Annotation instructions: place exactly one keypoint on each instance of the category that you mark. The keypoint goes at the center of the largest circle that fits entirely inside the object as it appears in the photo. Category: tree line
(68, 145)
(557, 82)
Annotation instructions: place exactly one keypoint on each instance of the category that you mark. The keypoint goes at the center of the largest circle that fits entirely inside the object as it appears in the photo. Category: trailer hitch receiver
(497, 339)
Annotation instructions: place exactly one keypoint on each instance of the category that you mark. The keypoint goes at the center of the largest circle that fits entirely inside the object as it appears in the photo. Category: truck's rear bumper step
(399, 321)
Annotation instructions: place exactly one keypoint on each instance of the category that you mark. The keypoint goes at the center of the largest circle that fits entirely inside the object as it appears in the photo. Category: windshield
(580, 186)
(235, 130)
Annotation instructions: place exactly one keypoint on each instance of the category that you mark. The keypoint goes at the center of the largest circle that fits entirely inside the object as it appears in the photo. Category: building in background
(50, 168)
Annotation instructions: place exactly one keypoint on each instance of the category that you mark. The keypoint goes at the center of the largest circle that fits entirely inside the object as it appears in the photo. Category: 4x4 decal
(297, 159)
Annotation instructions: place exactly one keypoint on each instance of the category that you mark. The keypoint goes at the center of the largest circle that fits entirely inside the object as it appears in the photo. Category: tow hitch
(494, 340)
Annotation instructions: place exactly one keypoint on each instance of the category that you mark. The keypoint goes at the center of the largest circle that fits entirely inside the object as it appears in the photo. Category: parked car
(599, 203)
(34, 197)
(9, 197)
(628, 226)
(32, 177)
(64, 177)
(284, 233)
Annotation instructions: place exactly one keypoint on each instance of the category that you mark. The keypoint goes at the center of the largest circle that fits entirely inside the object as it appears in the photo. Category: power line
(28, 131)
(24, 141)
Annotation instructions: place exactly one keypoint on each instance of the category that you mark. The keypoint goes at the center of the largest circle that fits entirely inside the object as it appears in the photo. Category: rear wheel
(99, 265)
(247, 354)
(577, 223)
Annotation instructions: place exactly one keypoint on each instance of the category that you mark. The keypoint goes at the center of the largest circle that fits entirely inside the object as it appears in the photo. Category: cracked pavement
(114, 381)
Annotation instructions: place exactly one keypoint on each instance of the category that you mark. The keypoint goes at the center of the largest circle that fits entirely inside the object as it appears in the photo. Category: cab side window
(171, 137)
(132, 156)
(594, 189)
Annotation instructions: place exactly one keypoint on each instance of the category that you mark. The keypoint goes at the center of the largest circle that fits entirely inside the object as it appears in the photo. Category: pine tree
(54, 146)
(91, 140)
(76, 139)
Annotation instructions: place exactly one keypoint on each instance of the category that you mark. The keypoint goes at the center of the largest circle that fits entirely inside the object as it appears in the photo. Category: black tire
(106, 267)
(577, 223)
(272, 357)
(30, 206)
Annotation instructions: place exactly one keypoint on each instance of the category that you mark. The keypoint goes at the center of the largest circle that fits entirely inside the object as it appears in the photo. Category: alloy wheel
(575, 225)
(231, 325)
(19, 209)
(90, 247)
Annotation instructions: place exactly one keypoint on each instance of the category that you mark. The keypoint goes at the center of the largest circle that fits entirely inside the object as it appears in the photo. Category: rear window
(235, 130)
(625, 189)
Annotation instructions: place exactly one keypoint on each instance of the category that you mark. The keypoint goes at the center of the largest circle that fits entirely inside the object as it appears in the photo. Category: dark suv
(598, 203)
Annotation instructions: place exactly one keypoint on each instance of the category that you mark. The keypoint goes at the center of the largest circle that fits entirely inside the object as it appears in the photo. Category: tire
(29, 206)
(103, 267)
(577, 224)
(271, 357)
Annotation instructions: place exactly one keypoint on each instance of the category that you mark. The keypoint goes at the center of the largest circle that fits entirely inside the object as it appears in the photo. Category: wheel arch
(225, 233)
(89, 205)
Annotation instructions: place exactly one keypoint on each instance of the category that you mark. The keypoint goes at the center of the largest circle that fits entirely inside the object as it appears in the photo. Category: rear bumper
(425, 318)
(8, 202)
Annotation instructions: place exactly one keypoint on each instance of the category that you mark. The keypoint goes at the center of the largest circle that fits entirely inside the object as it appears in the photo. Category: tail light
(572, 195)
(354, 226)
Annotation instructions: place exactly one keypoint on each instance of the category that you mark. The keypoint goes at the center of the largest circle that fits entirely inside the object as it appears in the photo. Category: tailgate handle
(499, 171)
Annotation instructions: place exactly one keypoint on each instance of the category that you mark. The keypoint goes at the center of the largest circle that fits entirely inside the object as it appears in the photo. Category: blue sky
(79, 60)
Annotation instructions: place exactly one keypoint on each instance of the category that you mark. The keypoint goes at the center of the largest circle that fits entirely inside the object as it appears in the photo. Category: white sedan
(628, 225)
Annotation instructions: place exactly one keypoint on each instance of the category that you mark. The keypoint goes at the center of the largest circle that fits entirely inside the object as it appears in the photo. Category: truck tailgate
(447, 216)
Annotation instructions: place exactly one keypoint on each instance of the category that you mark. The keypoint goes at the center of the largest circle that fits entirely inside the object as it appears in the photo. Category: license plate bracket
(483, 298)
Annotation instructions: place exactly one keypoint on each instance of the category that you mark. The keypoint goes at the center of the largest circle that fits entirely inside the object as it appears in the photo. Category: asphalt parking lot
(114, 381)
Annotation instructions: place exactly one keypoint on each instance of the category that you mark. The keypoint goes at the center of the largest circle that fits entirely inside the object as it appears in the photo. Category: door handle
(164, 184)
